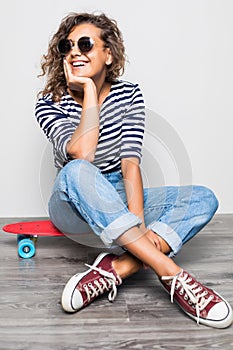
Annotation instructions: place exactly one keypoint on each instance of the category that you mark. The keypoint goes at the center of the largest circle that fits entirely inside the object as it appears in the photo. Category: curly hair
(52, 62)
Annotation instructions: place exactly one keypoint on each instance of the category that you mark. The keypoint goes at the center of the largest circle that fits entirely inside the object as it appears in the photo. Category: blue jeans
(84, 198)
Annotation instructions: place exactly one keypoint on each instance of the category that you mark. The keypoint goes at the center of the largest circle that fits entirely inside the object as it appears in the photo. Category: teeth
(78, 64)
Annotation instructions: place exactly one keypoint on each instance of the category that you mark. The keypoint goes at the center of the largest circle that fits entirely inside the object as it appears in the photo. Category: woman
(96, 123)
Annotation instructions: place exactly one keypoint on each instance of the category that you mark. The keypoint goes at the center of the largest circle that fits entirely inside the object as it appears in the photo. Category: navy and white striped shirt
(121, 129)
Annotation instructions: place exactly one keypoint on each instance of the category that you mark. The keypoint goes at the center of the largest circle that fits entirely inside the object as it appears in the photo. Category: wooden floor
(141, 317)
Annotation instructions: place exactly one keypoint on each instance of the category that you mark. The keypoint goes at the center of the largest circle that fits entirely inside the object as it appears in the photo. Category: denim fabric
(83, 197)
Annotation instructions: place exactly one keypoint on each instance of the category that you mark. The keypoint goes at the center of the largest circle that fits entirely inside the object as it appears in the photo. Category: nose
(75, 50)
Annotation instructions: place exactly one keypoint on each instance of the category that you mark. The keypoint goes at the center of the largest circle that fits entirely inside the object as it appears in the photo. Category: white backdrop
(181, 54)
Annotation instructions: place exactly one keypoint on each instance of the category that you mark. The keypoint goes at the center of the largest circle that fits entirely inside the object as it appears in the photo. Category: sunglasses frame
(70, 44)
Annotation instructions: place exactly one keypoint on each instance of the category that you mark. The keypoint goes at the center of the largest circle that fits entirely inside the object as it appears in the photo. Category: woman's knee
(77, 165)
(207, 200)
(78, 169)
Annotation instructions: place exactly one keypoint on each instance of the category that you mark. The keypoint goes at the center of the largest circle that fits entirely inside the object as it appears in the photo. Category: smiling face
(91, 64)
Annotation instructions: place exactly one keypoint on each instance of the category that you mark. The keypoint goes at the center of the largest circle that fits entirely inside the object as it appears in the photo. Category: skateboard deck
(39, 228)
(27, 233)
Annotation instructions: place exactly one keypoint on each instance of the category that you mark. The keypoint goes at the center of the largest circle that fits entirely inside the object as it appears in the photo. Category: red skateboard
(27, 235)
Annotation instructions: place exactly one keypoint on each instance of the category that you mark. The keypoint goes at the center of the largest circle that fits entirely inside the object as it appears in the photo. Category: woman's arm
(133, 186)
(134, 193)
(84, 140)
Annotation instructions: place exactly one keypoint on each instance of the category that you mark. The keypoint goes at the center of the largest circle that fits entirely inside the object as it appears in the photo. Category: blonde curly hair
(52, 62)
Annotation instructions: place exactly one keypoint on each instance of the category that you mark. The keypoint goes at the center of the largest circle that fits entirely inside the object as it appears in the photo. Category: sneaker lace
(195, 291)
(105, 283)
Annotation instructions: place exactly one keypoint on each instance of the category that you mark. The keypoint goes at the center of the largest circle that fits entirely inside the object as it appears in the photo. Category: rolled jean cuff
(118, 227)
(168, 234)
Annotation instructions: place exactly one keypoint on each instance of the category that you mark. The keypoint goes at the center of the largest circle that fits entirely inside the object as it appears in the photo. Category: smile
(78, 64)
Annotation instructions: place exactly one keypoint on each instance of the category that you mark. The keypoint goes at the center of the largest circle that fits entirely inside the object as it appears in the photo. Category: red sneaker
(83, 288)
(199, 302)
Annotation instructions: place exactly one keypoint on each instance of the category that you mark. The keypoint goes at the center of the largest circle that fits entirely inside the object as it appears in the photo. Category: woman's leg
(197, 301)
(96, 200)
(88, 195)
(176, 214)
(146, 251)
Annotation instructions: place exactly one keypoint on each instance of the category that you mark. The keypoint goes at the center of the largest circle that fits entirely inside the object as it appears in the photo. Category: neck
(100, 85)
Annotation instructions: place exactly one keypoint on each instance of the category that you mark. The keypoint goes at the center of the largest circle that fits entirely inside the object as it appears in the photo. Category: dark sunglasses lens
(85, 44)
(64, 46)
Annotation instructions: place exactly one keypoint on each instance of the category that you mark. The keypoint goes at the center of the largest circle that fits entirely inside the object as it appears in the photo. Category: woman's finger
(66, 69)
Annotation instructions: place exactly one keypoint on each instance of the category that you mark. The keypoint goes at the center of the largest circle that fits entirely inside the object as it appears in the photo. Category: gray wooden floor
(141, 317)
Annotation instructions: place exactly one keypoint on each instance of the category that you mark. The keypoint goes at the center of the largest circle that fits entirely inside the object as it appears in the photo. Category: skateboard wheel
(26, 248)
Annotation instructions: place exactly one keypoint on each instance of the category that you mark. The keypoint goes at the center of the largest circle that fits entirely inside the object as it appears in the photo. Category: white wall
(181, 53)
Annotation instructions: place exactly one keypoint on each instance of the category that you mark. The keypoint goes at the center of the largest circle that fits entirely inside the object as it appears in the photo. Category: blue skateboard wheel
(26, 248)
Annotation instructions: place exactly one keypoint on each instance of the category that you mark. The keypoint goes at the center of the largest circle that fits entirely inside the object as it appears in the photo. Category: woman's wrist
(89, 87)
(90, 99)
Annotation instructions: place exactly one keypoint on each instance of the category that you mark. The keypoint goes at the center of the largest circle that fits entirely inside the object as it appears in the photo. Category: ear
(109, 57)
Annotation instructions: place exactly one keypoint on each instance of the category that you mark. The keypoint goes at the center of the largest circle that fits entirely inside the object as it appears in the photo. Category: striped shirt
(121, 128)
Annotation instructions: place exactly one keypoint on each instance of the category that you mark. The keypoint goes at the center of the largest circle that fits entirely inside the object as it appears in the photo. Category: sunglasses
(85, 44)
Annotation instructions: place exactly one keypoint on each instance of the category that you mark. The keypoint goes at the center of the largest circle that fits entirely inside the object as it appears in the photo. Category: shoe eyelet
(189, 302)
(181, 292)
(89, 284)
(185, 297)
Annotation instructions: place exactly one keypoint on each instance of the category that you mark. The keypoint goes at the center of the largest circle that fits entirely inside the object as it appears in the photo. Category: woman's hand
(154, 238)
(73, 82)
